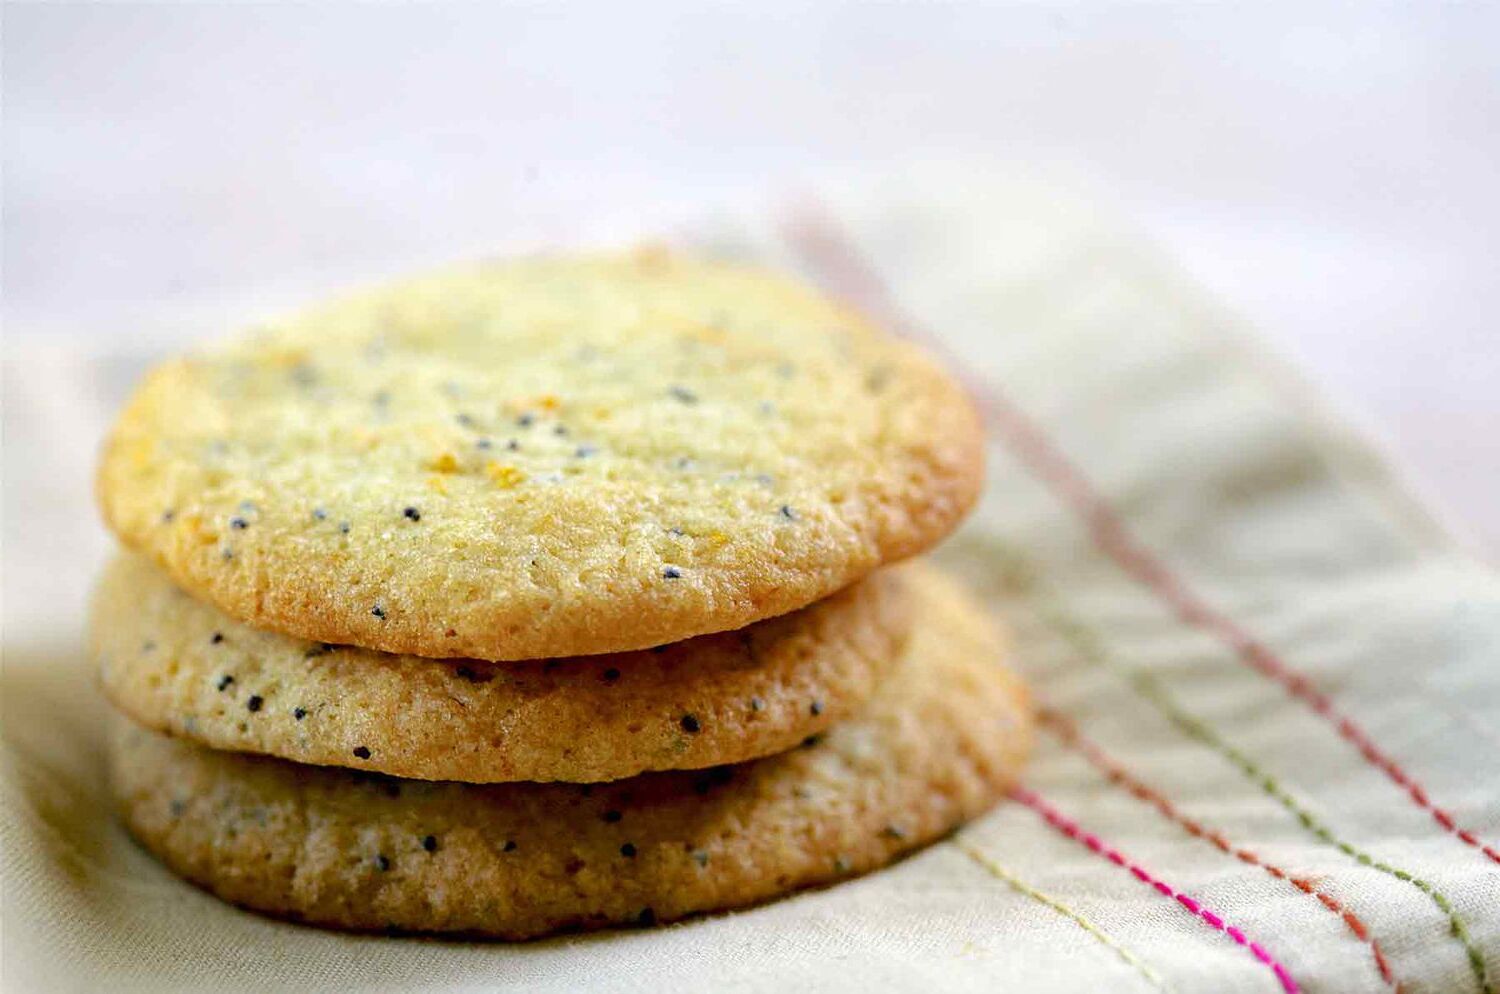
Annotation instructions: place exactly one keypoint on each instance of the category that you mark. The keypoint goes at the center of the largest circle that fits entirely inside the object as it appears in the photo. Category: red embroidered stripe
(845, 272)
(1068, 732)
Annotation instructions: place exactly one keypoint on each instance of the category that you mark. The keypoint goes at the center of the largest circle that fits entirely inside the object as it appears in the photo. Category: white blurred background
(1332, 173)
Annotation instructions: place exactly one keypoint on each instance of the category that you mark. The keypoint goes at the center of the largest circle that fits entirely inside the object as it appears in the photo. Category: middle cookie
(181, 666)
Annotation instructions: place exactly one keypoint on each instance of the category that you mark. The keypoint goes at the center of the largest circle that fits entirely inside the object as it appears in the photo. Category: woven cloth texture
(1269, 758)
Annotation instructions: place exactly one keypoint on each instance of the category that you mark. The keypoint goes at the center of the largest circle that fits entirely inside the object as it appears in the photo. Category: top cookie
(546, 457)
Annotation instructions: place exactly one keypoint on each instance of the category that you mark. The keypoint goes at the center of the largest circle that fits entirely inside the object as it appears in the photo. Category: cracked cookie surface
(543, 457)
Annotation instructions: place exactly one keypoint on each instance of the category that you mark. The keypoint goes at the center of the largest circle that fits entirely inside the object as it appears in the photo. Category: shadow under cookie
(940, 742)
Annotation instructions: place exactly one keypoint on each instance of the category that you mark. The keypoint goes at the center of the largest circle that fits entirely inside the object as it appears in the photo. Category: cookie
(541, 458)
(179, 665)
(938, 744)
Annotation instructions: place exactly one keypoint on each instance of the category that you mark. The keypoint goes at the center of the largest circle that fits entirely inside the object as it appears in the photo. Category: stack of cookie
(546, 594)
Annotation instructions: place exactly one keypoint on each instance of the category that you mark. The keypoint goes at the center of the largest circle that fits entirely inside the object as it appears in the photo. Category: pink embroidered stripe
(1068, 732)
(1071, 829)
(842, 268)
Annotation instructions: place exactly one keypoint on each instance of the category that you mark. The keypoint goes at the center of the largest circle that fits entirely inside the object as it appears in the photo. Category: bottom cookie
(938, 744)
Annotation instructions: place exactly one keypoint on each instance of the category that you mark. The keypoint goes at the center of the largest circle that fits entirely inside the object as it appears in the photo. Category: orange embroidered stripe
(1197, 908)
(1089, 646)
(1068, 732)
(845, 271)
